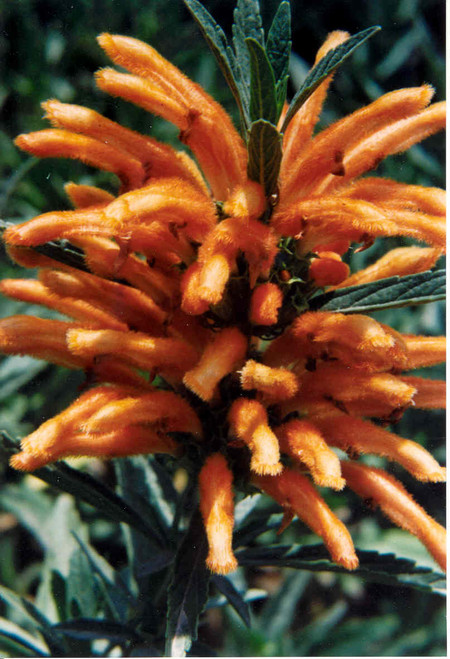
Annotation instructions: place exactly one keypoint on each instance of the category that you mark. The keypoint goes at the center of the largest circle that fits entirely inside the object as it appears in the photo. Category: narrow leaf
(281, 92)
(386, 293)
(234, 597)
(247, 19)
(83, 487)
(263, 97)
(382, 568)
(17, 638)
(91, 628)
(278, 46)
(188, 591)
(324, 67)
(247, 24)
(264, 155)
(217, 41)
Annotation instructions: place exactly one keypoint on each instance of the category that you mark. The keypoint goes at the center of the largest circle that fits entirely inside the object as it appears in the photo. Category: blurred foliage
(63, 559)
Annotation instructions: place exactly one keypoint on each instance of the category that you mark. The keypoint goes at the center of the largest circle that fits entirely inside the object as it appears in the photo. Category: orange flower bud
(216, 505)
(384, 490)
(302, 440)
(219, 358)
(275, 384)
(265, 303)
(328, 269)
(248, 421)
(295, 493)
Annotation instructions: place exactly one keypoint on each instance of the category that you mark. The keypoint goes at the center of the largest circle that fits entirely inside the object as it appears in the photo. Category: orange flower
(190, 312)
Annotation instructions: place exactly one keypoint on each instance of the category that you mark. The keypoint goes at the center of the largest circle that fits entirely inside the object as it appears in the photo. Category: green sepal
(264, 155)
(389, 293)
(278, 45)
(325, 66)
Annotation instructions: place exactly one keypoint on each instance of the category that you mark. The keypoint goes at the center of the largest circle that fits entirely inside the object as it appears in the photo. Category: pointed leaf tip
(324, 68)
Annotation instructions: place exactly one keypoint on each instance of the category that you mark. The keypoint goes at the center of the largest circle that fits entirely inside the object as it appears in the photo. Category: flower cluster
(186, 315)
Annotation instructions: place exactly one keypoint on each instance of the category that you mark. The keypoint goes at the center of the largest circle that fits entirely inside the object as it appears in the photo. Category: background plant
(53, 543)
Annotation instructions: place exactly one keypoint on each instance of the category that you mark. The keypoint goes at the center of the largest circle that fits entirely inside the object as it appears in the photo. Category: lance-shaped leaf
(324, 67)
(263, 96)
(264, 155)
(233, 597)
(188, 591)
(18, 642)
(383, 568)
(90, 628)
(278, 46)
(247, 24)
(217, 41)
(84, 487)
(386, 293)
(247, 21)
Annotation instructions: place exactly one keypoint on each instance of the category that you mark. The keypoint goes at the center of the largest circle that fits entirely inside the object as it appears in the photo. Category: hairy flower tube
(189, 311)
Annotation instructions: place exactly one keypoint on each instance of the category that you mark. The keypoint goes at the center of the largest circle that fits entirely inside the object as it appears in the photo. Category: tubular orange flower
(192, 294)
(384, 490)
(216, 505)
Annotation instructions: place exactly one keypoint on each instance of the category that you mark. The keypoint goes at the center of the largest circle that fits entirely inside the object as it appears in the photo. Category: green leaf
(234, 597)
(280, 609)
(91, 628)
(16, 639)
(247, 24)
(255, 527)
(383, 568)
(247, 20)
(84, 487)
(264, 155)
(141, 487)
(387, 293)
(281, 92)
(324, 67)
(188, 591)
(217, 41)
(263, 97)
(278, 46)
(117, 596)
